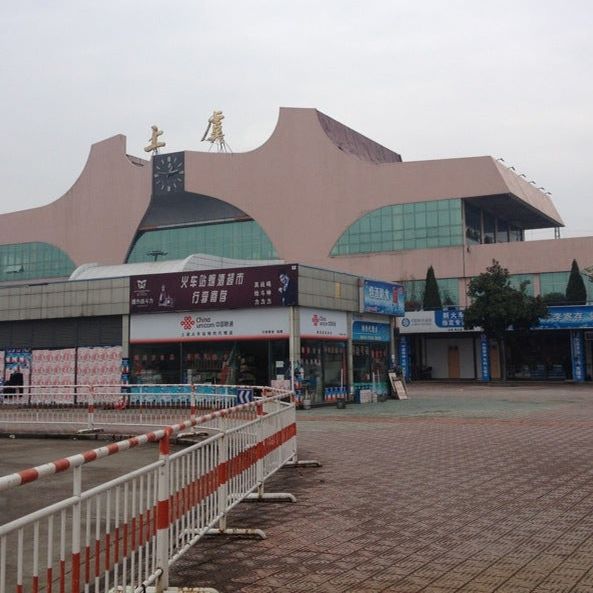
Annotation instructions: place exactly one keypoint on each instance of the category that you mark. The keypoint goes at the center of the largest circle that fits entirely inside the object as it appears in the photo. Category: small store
(371, 356)
(434, 345)
(254, 326)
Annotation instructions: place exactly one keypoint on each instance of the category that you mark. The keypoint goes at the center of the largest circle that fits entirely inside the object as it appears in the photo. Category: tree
(432, 297)
(576, 293)
(496, 306)
(554, 298)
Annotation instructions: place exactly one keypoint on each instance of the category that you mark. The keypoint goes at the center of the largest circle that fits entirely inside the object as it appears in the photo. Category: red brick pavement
(452, 496)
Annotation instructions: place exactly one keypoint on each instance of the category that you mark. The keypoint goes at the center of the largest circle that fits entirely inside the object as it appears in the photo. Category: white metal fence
(98, 407)
(127, 532)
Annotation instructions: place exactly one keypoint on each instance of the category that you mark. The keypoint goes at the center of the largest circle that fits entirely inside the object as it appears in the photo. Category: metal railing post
(259, 465)
(91, 409)
(76, 527)
(162, 534)
(222, 480)
(192, 411)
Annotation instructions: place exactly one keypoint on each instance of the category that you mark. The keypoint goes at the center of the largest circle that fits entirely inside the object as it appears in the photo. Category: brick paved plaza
(461, 488)
(471, 488)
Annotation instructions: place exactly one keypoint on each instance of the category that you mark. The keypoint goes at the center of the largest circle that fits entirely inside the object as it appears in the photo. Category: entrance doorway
(494, 361)
(453, 362)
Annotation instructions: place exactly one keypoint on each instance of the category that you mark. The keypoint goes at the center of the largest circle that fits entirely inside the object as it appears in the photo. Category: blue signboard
(451, 318)
(383, 297)
(578, 356)
(404, 356)
(367, 331)
(568, 317)
(485, 357)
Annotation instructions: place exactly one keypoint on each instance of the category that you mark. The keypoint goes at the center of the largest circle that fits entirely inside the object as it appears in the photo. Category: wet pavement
(461, 488)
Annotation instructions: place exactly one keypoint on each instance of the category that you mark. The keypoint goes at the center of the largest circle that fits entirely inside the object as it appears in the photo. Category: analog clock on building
(168, 173)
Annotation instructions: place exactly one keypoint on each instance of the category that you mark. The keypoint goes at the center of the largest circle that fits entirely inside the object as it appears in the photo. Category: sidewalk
(461, 488)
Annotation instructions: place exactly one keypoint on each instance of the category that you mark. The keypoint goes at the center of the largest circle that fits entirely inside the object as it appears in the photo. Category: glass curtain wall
(237, 240)
(404, 226)
(27, 261)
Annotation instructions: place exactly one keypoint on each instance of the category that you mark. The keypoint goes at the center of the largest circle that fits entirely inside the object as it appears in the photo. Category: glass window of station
(236, 240)
(404, 226)
(414, 290)
(28, 261)
(553, 285)
(482, 227)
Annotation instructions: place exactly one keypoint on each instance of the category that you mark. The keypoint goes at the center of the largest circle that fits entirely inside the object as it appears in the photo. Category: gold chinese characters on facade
(155, 144)
(214, 133)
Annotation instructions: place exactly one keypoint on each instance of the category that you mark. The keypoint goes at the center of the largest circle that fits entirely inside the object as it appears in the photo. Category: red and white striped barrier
(125, 533)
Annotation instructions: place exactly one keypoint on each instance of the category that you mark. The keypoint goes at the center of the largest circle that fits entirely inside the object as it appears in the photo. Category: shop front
(558, 348)
(371, 343)
(324, 361)
(237, 347)
(434, 345)
(248, 326)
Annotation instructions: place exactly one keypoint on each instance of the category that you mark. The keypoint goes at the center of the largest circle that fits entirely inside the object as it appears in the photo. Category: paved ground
(461, 488)
(472, 489)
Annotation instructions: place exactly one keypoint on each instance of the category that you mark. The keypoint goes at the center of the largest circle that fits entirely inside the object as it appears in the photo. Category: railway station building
(329, 208)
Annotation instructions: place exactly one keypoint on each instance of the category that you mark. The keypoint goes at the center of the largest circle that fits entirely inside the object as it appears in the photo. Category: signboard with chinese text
(231, 288)
(578, 356)
(404, 357)
(369, 331)
(210, 326)
(383, 297)
(567, 317)
(441, 321)
(318, 323)
(485, 357)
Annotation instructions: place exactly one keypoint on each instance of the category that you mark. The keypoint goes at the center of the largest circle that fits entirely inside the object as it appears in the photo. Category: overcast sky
(429, 79)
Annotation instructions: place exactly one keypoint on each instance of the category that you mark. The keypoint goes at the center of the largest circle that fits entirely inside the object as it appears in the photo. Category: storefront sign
(383, 297)
(368, 331)
(575, 316)
(578, 356)
(230, 288)
(318, 323)
(404, 356)
(441, 321)
(485, 357)
(210, 326)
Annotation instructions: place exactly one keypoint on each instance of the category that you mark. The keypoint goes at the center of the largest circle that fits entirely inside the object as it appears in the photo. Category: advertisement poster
(210, 326)
(229, 288)
(387, 298)
(17, 362)
(101, 365)
(318, 323)
(50, 368)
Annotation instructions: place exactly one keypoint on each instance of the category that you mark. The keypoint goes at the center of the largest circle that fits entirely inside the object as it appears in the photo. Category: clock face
(168, 173)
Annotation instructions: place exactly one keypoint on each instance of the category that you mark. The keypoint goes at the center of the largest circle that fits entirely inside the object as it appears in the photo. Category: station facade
(316, 193)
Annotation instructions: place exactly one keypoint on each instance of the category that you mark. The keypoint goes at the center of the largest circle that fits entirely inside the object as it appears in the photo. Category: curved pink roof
(305, 185)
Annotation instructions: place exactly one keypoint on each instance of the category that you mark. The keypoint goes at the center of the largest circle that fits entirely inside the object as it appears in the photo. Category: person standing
(17, 380)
